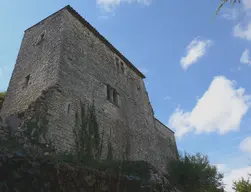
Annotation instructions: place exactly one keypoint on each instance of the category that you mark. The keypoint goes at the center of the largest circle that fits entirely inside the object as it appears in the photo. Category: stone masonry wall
(37, 60)
(165, 145)
(87, 65)
(81, 66)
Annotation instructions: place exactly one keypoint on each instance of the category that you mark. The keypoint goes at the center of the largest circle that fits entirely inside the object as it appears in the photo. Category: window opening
(117, 66)
(115, 97)
(122, 67)
(68, 108)
(108, 92)
(41, 37)
(27, 80)
(112, 95)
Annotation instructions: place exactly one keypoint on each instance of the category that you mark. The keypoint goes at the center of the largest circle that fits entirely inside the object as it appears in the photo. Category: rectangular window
(117, 67)
(27, 80)
(68, 108)
(112, 95)
(108, 88)
(122, 67)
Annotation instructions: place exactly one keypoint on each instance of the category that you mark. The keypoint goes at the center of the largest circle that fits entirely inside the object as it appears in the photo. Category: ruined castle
(63, 59)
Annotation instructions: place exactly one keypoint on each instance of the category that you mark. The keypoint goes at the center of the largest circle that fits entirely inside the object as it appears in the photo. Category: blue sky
(197, 66)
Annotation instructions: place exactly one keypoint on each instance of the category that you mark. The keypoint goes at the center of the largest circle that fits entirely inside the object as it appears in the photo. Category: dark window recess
(122, 67)
(117, 66)
(27, 80)
(108, 92)
(41, 37)
(112, 95)
(115, 97)
(68, 108)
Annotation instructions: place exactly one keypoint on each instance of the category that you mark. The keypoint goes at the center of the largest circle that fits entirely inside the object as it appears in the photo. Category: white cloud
(243, 31)
(237, 12)
(109, 5)
(230, 14)
(243, 14)
(247, 4)
(194, 51)
(221, 167)
(235, 175)
(245, 145)
(245, 59)
(220, 110)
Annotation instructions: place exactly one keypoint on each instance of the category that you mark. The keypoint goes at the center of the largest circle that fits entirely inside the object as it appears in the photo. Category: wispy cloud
(245, 58)
(194, 51)
(220, 109)
(230, 13)
(247, 4)
(245, 145)
(222, 168)
(110, 5)
(167, 98)
(243, 31)
(234, 175)
(243, 28)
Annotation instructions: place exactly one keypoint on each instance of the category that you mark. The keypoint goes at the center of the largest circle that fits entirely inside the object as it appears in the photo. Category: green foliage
(87, 138)
(223, 2)
(36, 128)
(193, 173)
(109, 154)
(242, 185)
(2, 96)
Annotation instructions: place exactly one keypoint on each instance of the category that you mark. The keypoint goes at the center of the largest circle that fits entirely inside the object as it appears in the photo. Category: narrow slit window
(117, 66)
(122, 67)
(108, 92)
(115, 97)
(27, 80)
(68, 108)
(41, 37)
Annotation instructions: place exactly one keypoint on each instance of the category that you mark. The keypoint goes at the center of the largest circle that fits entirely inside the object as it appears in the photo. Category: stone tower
(62, 60)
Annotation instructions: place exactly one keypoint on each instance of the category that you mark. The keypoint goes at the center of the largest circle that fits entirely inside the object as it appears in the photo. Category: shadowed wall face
(68, 54)
(36, 65)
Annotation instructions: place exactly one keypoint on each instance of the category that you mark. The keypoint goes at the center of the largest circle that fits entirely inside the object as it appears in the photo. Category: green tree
(193, 173)
(223, 2)
(2, 95)
(242, 185)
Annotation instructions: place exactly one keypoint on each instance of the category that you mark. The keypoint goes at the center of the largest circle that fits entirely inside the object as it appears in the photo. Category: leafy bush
(2, 96)
(193, 173)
